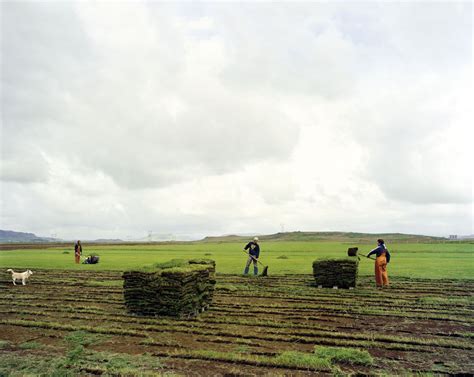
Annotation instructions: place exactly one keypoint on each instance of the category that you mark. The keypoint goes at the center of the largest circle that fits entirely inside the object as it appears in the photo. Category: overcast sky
(207, 119)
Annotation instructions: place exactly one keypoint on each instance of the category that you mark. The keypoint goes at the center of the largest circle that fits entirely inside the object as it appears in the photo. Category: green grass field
(421, 260)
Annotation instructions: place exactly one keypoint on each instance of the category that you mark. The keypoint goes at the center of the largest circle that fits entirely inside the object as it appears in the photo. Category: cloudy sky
(206, 119)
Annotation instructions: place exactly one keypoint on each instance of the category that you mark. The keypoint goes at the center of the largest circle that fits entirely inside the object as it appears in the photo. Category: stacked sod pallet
(336, 272)
(176, 288)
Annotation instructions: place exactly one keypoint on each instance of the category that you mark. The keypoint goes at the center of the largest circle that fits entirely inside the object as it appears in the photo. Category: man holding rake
(253, 253)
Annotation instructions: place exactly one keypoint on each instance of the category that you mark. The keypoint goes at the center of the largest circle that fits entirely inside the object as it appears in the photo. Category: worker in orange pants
(381, 261)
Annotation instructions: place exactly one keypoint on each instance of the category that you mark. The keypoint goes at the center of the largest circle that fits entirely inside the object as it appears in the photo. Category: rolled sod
(336, 272)
(352, 251)
(175, 288)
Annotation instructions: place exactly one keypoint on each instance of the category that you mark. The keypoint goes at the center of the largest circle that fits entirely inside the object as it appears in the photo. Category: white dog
(23, 276)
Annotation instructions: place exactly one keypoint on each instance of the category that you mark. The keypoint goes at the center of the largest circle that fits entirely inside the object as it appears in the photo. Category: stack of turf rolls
(336, 272)
(175, 288)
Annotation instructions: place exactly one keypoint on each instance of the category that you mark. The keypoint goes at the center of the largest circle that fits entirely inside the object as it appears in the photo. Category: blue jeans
(255, 266)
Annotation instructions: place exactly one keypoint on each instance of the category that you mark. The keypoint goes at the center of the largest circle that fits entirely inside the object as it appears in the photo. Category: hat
(255, 238)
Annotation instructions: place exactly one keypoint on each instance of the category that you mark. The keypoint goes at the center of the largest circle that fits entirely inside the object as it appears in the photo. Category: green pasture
(420, 260)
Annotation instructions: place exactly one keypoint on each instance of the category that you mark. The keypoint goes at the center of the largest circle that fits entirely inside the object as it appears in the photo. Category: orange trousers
(381, 276)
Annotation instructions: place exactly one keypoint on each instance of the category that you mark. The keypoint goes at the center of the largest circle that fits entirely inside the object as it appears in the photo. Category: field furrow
(253, 322)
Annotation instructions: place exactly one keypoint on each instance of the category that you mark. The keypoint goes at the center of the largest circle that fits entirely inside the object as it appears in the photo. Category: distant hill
(7, 236)
(106, 240)
(32, 241)
(329, 236)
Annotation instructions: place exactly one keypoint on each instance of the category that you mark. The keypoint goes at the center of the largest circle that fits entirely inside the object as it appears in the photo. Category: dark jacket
(253, 249)
(378, 252)
(77, 249)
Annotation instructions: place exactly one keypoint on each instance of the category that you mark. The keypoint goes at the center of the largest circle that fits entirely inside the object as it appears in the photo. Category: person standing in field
(382, 258)
(78, 251)
(253, 252)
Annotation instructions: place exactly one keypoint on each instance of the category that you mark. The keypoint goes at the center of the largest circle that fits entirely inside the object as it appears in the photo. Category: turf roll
(352, 251)
(176, 288)
(336, 272)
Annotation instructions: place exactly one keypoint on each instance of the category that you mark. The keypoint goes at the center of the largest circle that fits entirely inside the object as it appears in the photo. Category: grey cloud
(416, 142)
(47, 209)
(297, 51)
(93, 94)
(22, 161)
(25, 169)
(123, 117)
(322, 65)
(433, 35)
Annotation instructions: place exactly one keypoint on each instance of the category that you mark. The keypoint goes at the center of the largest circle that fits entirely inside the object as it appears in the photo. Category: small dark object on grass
(208, 254)
(282, 257)
(66, 252)
(92, 259)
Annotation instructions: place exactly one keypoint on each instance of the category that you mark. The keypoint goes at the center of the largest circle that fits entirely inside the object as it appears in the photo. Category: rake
(265, 268)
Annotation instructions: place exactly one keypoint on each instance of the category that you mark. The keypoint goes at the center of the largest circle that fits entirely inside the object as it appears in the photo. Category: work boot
(246, 271)
(255, 271)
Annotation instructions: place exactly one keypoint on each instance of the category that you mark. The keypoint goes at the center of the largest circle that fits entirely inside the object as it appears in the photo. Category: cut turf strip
(268, 325)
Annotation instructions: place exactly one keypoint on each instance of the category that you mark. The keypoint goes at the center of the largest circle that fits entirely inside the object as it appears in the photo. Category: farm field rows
(75, 321)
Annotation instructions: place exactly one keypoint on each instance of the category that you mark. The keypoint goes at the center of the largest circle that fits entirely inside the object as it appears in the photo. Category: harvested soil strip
(418, 325)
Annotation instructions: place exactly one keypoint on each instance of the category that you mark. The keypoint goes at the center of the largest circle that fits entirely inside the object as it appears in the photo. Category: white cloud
(145, 106)
(118, 118)
(27, 165)
(416, 132)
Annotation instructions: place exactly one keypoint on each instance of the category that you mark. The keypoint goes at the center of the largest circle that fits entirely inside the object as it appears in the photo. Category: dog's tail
(10, 270)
